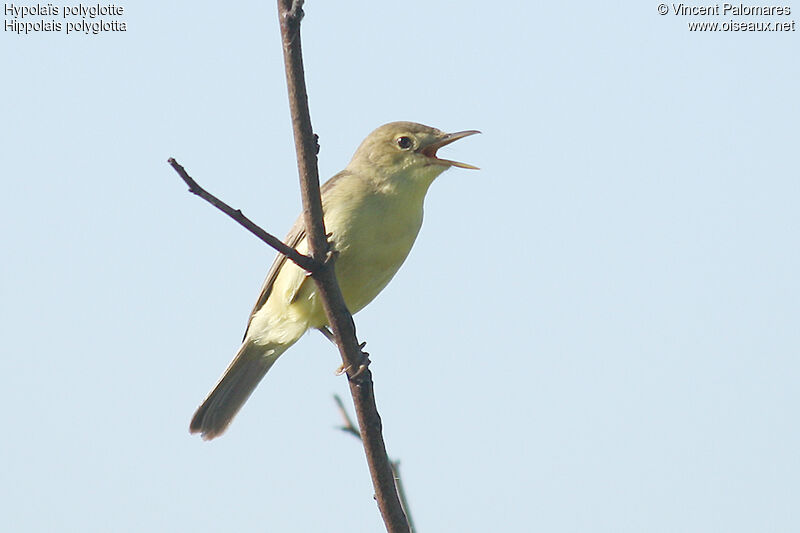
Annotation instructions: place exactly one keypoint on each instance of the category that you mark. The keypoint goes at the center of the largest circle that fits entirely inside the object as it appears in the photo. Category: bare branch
(339, 317)
(348, 427)
(296, 12)
(303, 261)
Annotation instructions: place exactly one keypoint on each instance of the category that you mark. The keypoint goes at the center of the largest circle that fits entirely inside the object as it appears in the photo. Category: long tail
(234, 388)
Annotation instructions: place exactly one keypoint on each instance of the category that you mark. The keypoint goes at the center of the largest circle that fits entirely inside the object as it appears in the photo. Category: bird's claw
(362, 366)
(331, 256)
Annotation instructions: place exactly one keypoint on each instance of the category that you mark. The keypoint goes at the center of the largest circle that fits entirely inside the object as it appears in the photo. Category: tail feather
(234, 388)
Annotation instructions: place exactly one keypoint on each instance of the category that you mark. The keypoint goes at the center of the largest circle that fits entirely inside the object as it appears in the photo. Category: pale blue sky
(596, 332)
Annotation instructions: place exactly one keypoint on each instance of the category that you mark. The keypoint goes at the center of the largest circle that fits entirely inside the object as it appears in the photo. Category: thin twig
(348, 426)
(339, 317)
(303, 261)
(402, 493)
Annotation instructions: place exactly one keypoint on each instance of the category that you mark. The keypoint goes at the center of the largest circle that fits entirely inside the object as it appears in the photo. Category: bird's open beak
(430, 150)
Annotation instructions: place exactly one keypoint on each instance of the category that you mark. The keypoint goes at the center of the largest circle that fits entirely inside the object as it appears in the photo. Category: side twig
(339, 317)
(303, 261)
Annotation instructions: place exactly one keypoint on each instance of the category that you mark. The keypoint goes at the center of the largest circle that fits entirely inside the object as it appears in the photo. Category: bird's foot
(362, 366)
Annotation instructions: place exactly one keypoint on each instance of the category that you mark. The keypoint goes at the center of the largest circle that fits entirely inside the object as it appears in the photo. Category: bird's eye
(404, 142)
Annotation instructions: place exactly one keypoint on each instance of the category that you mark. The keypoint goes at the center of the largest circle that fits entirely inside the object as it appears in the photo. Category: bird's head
(406, 150)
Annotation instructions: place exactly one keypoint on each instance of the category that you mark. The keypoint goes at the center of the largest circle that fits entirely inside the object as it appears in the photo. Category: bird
(373, 212)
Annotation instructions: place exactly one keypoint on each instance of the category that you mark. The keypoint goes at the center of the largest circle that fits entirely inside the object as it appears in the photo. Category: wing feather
(293, 239)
